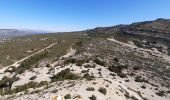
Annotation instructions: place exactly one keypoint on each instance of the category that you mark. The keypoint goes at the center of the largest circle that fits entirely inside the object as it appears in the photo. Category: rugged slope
(125, 62)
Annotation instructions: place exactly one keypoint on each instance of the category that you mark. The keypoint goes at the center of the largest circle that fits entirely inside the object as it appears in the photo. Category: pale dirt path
(17, 63)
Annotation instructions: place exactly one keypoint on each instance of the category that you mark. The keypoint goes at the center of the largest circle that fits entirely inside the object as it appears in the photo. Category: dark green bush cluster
(137, 43)
(140, 79)
(84, 71)
(89, 66)
(48, 66)
(102, 90)
(70, 60)
(117, 68)
(67, 96)
(6, 82)
(122, 75)
(90, 89)
(26, 64)
(88, 77)
(160, 93)
(99, 62)
(136, 68)
(33, 77)
(24, 87)
(93, 97)
(64, 75)
(78, 62)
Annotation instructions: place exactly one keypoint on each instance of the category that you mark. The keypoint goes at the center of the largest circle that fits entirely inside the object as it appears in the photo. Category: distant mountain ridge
(10, 33)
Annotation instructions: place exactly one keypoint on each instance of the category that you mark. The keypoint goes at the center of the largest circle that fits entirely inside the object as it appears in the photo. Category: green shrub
(6, 82)
(64, 75)
(67, 96)
(89, 66)
(140, 79)
(102, 90)
(117, 68)
(136, 68)
(88, 77)
(42, 83)
(90, 89)
(160, 93)
(36, 91)
(48, 66)
(134, 98)
(93, 97)
(99, 62)
(24, 87)
(33, 77)
(116, 59)
(84, 71)
(70, 60)
(143, 86)
(122, 75)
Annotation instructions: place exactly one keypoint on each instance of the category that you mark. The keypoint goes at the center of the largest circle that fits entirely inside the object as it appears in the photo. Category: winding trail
(16, 64)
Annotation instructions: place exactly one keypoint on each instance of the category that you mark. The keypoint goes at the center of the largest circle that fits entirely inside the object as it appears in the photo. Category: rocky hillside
(124, 62)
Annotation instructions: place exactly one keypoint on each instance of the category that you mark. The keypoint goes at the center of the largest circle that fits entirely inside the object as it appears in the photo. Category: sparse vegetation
(90, 89)
(143, 87)
(140, 79)
(89, 66)
(88, 77)
(99, 62)
(27, 64)
(134, 98)
(64, 75)
(93, 97)
(33, 77)
(117, 68)
(122, 75)
(102, 90)
(21, 88)
(67, 96)
(160, 93)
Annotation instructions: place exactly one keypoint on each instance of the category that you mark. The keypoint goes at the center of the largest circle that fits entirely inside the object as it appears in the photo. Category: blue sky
(71, 15)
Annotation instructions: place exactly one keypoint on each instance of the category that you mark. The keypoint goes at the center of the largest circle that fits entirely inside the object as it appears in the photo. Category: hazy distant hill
(9, 33)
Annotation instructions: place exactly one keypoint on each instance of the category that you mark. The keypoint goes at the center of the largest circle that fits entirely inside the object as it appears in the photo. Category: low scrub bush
(93, 97)
(64, 75)
(67, 96)
(117, 68)
(33, 77)
(89, 66)
(99, 62)
(90, 89)
(122, 75)
(140, 79)
(88, 77)
(160, 93)
(102, 90)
